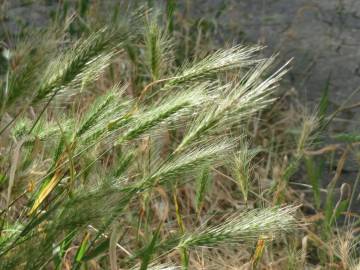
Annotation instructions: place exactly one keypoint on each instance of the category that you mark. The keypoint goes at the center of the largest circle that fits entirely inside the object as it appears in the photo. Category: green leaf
(83, 248)
(96, 251)
(150, 250)
(347, 137)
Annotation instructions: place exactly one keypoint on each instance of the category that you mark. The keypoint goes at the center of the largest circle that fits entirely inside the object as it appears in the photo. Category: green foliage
(347, 137)
(242, 168)
(314, 171)
(97, 161)
(158, 49)
(202, 185)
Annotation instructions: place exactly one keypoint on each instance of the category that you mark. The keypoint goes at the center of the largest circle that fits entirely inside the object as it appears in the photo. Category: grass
(121, 150)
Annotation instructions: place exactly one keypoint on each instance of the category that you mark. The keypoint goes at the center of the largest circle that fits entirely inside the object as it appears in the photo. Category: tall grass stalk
(86, 154)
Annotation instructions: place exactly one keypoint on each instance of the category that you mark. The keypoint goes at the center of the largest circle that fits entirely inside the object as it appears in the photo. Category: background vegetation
(131, 141)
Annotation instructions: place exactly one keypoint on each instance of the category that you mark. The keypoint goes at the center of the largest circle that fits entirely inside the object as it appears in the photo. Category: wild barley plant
(79, 162)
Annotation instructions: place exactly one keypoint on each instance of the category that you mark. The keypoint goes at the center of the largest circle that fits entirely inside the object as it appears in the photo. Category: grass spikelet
(190, 160)
(169, 108)
(244, 227)
(241, 100)
(202, 184)
(219, 61)
(87, 59)
(158, 50)
(242, 167)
